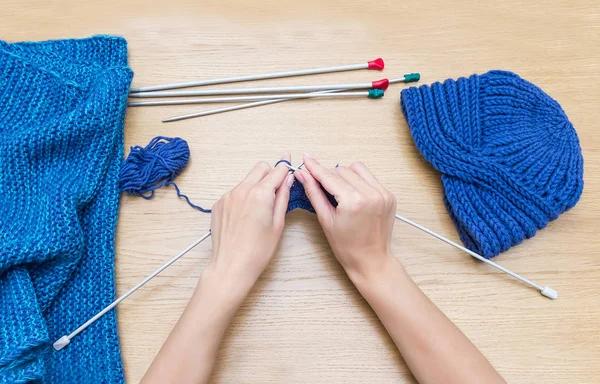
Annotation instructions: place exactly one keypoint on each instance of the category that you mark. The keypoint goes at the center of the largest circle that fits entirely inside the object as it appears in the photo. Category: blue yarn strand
(179, 194)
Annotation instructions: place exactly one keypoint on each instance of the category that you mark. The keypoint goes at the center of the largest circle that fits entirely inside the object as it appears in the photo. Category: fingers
(258, 172)
(277, 174)
(354, 180)
(365, 174)
(282, 198)
(361, 170)
(331, 181)
(315, 194)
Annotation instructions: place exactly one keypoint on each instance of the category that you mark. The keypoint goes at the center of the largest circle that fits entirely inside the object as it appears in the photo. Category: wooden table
(304, 322)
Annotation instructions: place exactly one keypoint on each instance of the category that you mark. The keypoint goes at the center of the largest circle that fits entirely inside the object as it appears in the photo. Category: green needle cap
(375, 93)
(412, 77)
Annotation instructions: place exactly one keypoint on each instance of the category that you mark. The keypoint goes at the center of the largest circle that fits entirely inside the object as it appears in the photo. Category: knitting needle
(232, 108)
(65, 340)
(371, 93)
(379, 84)
(544, 290)
(408, 78)
(377, 64)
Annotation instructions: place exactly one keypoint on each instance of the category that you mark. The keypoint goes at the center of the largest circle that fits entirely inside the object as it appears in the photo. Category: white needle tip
(549, 293)
(61, 343)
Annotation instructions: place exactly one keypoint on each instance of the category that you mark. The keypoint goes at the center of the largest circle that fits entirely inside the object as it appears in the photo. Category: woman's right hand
(359, 232)
(359, 229)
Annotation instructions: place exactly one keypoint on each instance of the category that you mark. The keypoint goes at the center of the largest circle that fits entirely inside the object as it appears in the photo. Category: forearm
(435, 350)
(190, 352)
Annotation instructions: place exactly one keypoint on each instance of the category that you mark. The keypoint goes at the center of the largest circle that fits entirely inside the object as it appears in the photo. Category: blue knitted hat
(509, 157)
(61, 123)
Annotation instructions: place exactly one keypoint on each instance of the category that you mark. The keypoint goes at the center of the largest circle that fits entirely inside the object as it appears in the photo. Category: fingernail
(299, 176)
(285, 155)
(289, 180)
(308, 155)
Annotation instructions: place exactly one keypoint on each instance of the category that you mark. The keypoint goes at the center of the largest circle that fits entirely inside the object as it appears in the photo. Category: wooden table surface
(304, 322)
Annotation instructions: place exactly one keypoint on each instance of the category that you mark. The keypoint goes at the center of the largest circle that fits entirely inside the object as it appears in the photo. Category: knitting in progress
(158, 164)
(509, 157)
(63, 109)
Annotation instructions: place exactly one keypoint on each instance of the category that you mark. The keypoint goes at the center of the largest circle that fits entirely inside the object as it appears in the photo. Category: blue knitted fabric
(509, 157)
(61, 123)
(298, 198)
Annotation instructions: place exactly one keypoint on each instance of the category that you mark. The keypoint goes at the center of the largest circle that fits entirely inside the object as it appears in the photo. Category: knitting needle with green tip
(66, 339)
(544, 290)
(371, 94)
(377, 84)
(408, 78)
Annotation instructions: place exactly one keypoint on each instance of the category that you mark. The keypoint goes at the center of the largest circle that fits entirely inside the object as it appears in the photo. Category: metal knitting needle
(408, 78)
(372, 94)
(377, 64)
(379, 84)
(66, 339)
(544, 290)
(232, 108)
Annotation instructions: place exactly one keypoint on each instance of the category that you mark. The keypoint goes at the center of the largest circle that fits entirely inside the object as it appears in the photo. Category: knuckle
(379, 200)
(356, 165)
(390, 199)
(386, 199)
(263, 165)
(278, 225)
(331, 175)
(360, 202)
(236, 193)
(340, 168)
(261, 193)
(242, 187)
(309, 190)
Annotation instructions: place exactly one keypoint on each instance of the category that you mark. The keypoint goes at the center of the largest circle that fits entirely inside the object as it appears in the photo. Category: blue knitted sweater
(61, 123)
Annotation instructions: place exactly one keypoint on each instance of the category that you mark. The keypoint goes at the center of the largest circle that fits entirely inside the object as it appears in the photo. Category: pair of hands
(247, 224)
(248, 221)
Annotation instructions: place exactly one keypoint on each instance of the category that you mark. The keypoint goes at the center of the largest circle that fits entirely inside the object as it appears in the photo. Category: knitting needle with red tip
(377, 64)
(66, 339)
(379, 84)
(408, 78)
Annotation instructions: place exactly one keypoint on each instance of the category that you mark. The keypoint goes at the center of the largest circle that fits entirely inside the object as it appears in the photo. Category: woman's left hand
(247, 223)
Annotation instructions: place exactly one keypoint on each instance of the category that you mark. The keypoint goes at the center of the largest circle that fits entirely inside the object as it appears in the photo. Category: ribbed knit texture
(61, 146)
(509, 157)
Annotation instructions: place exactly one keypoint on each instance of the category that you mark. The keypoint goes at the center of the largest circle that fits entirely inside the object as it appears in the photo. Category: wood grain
(304, 322)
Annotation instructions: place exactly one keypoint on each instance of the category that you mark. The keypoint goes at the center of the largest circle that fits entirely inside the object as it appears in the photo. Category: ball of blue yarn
(510, 158)
(154, 166)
